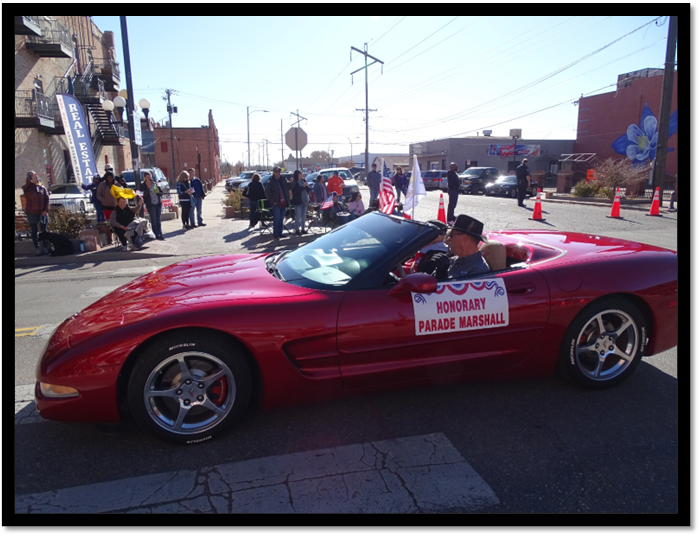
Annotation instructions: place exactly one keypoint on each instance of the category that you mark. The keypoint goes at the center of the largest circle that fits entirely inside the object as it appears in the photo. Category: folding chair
(288, 221)
(265, 212)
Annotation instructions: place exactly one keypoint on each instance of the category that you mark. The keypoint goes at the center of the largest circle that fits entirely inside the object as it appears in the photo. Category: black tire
(514, 193)
(604, 344)
(205, 386)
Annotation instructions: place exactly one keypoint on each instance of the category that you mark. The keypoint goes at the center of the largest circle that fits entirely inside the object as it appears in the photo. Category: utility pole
(665, 109)
(296, 140)
(173, 177)
(366, 109)
(282, 144)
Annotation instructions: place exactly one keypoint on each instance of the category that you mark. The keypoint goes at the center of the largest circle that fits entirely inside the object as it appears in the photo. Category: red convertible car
(187, 348)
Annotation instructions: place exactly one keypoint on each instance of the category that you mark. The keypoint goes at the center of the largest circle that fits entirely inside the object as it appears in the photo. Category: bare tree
(616, 173)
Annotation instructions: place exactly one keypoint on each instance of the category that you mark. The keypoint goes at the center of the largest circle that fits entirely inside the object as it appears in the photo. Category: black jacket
(255, 191)
(452, 180)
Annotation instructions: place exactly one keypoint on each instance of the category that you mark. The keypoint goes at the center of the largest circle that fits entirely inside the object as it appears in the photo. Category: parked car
(232, 183)
(71, 197)
(186, 348)
(433, 179)
(264, 177)
(507, 185)
(242, 178)
(473, 180)
(157, 175)
(344, 173)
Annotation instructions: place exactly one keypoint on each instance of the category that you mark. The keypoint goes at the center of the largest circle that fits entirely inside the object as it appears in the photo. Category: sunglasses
(451, 232)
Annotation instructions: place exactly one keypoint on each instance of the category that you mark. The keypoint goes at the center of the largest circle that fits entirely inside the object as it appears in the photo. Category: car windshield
(432, 175)
(334, 260)
(510, 179)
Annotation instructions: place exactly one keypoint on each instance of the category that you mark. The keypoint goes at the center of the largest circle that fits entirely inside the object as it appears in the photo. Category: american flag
(387, 199)
(328, 203)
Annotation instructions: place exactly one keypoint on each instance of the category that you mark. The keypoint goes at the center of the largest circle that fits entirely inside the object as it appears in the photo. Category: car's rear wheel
(514, 193)
(604, 344)
(189, 389)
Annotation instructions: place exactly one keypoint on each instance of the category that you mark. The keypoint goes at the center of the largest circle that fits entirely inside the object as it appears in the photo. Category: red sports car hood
(222, 277)
(188, 283)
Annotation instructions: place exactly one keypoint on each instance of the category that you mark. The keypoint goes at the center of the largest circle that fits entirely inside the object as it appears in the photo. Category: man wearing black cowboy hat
(463, 239)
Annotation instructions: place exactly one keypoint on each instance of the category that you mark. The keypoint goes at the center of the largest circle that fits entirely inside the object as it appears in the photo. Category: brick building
(603, 118)
(53, 55)
(191, 147)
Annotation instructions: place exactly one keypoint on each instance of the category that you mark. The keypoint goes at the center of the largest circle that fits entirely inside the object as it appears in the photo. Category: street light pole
(248, 112)
(130, 105)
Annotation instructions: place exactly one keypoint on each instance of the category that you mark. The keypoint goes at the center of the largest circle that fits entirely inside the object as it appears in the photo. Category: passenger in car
(463, 239)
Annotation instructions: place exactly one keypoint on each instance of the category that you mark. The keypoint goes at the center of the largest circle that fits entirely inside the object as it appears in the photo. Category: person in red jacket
(335, 184)
(37, 210)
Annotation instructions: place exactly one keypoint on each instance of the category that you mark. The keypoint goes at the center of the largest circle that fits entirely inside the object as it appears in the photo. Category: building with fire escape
(64, 54)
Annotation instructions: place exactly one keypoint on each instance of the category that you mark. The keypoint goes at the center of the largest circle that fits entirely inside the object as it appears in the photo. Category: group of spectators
(190, 192)
(109, 195)
(281, 194)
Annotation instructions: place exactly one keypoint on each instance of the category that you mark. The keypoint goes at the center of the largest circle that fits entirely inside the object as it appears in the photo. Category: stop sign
(295, 138)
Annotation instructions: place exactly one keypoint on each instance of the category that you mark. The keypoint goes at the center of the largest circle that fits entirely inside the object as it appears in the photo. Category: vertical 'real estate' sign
(78, 138)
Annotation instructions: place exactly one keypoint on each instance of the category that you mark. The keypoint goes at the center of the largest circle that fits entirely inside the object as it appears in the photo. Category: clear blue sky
(442, 76)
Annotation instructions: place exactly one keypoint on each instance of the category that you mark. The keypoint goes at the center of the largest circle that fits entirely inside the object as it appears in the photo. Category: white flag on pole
(416, 190)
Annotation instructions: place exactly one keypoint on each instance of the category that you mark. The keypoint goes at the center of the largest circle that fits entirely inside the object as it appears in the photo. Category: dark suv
(473, 180)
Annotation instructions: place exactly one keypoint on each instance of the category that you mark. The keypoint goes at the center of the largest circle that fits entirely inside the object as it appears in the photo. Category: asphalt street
(528, 446)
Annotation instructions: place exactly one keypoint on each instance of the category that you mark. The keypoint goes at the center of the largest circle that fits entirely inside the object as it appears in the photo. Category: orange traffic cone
(441, 212)
(615, 212)
(655, 205)
(537, 213)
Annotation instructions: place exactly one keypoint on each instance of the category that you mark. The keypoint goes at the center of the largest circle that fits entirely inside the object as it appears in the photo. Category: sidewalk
(222, 236)
(219, 236)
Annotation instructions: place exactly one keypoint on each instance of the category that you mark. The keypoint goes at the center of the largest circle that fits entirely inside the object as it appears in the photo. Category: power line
(462, 114)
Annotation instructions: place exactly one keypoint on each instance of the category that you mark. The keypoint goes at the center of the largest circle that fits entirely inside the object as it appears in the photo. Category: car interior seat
(494, 253)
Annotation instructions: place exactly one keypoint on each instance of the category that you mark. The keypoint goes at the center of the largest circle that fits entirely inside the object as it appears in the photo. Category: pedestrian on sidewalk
(93, 197)
(300, 201)
(184, 194)
(400, 183)
(152, 198)
(37, 210)
(277, 191)
(198, 197)
(452, 192)
(254, 192)
(374, 181)
(104, 194)
(336, 184)
(120, 219)
(522, 174)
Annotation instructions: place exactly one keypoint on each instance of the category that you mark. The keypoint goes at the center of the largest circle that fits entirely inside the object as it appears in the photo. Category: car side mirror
(419, 283)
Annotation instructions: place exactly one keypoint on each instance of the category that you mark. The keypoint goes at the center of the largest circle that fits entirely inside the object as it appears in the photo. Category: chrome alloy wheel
(189, 393)
(607, 344)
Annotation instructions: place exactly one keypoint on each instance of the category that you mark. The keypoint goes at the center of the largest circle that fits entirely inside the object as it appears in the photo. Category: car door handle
(522, 291)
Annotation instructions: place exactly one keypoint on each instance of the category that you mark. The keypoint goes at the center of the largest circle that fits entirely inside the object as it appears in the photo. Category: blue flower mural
(639, 143)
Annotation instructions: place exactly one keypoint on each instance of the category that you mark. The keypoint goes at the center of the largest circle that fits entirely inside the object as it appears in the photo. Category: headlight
(50, 390)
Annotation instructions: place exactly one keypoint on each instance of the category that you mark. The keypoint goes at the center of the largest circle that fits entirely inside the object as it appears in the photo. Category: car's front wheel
(514, 193)
(604, 344)
(189, 388)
